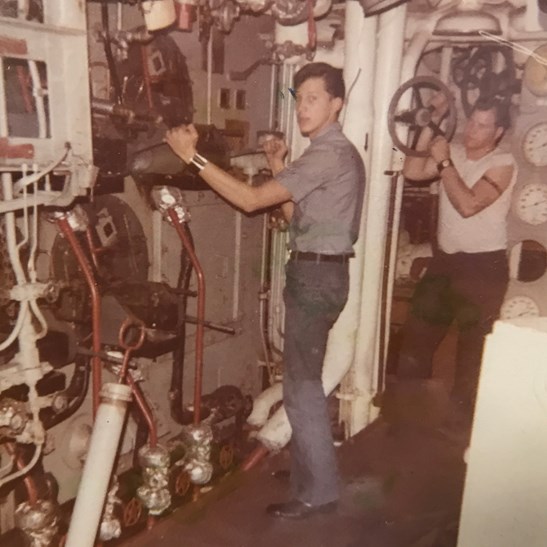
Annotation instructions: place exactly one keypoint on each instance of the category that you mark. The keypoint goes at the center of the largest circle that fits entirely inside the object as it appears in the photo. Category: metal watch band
(196, 164)
(199, 161)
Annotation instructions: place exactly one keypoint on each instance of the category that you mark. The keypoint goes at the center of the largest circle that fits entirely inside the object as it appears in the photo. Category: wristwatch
(444, 164)
(196, 164)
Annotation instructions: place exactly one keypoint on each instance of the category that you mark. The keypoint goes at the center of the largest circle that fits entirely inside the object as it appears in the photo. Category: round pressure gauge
(534, 145)
(531, 203)
(535, 72)
(519, 306)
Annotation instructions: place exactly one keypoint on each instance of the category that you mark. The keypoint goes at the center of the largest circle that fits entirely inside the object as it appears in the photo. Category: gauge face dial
(534, 145)
(531, 203)
(535, 73)
(519, 306)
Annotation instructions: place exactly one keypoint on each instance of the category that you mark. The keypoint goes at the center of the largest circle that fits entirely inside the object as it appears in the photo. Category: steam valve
(154, 493)
(38, 521)
(13, 417)
(197, 461)
(111, 527)
(77, 218)
(168, 197)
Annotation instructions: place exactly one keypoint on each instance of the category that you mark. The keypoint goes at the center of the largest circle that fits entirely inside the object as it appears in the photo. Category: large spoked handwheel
(409, 109)
(480, 80)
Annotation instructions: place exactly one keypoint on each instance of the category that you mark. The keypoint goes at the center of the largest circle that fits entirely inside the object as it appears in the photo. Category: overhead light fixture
(467, 23)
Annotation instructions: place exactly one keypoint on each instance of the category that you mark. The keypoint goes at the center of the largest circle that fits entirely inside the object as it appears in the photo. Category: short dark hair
(333, 78)
(500, 108)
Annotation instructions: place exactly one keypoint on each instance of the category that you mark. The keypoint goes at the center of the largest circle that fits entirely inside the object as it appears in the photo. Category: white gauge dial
(531, 203)
(519, 306)
(534, 145)
(535, 72)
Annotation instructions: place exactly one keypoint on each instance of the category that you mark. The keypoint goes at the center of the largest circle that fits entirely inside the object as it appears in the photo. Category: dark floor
(402, 486)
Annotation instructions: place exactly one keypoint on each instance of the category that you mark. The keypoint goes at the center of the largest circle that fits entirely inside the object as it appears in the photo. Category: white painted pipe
(158, 14)
(357, 123)
(273, 95)
(411, 58)
(263, 403)
(4, 131)
(391, 25)
(103, 446)
(295, 34)
(68, 14)
(335, 55)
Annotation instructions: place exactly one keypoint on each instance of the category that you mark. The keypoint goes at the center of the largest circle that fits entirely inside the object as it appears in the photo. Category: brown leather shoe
(295, 509)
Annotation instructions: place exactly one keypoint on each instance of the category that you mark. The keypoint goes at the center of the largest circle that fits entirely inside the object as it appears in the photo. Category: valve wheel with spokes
(410, 113)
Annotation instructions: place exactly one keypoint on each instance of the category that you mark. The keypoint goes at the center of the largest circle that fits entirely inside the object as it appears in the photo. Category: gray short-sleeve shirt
(327, 184)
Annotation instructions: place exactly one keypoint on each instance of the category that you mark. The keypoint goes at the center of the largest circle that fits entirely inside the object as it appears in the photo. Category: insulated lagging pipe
(100, 458)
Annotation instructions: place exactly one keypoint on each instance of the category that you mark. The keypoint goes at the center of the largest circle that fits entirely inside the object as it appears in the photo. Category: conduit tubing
(25, 469)
(96, 364)
(129, 348)
(187, 244)
(145, 409)
(94, 250)
(30, 485)
(125, 375)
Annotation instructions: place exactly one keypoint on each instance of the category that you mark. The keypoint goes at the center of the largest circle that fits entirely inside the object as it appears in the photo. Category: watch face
(531, 203)
(519, 306)
(534, 145)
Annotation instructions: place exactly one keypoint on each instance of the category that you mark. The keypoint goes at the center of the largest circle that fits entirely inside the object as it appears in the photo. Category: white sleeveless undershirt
(487, 230)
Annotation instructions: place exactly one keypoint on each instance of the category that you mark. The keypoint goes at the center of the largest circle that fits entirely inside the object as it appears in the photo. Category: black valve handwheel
(481, 80)
(419, 115)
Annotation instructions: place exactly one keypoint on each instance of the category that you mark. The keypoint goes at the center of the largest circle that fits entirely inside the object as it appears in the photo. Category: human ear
(338, 103)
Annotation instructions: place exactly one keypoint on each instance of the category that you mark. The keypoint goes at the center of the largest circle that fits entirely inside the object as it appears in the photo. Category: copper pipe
(129, 322)
(94, 250)
(96, 364)
(312, 30)
(181, 231)
(30, 485)
(254, 457)
(145, 409)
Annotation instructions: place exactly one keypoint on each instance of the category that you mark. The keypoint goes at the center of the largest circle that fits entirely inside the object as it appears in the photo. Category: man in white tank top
(467, 278)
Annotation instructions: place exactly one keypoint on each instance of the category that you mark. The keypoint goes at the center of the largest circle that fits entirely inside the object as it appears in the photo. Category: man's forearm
(459, 194)
(238, 193)
(276, 165)
(414, 166)
(287, 209)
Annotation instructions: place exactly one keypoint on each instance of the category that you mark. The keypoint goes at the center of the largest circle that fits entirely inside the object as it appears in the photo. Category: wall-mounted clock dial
(531, 203)
(519, 306)
(534, 145)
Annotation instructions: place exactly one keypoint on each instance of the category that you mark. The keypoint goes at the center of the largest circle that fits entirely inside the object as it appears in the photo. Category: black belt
(320, 257)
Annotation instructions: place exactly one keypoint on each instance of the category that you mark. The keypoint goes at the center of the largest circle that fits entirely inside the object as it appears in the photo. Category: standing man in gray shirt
(321, 195)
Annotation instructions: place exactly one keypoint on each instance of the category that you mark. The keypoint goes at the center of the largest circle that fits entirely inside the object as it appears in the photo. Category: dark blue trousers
(315, 294)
